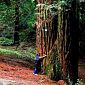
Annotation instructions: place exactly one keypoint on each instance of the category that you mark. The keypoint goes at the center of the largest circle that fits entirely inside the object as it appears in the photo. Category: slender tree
(16, 30)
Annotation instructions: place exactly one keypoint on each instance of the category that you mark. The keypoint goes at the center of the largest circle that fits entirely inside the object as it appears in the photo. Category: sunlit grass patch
(29, 53)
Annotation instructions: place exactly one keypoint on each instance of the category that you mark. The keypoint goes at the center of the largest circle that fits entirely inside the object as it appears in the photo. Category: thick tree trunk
(62, 43)
(74, 35)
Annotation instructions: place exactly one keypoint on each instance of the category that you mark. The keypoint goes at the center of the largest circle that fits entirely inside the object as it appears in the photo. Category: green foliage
(49, 70)
(7, 15)
(26, 15)
(5, 41)
(9, 52)
(29, 54)
(23, 35)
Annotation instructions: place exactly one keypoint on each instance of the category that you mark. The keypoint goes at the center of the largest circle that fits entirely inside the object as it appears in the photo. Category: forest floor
(19, 71)
(82, 69)
(15, 71)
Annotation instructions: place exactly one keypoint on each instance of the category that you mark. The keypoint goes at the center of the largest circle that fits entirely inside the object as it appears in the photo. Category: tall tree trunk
(63, 37)
(74, 34)
(16, 31)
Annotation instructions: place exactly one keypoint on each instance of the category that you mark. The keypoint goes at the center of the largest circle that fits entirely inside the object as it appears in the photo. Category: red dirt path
(14, 69)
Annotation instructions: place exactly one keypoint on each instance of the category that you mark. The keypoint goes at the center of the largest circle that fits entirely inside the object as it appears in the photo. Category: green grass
(9, 52)
(29, 53)
(5, 41)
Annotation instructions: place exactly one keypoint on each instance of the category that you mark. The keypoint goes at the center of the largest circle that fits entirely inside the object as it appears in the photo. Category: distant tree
(16, 30)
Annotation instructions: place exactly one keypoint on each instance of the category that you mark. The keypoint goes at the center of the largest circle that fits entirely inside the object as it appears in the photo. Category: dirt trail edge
(20, 72)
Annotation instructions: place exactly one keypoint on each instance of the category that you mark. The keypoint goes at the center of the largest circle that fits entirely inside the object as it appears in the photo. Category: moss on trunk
(53, 67)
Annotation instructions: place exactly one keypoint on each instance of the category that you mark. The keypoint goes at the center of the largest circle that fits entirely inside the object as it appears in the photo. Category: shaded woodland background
(26, 25)
(16, 16)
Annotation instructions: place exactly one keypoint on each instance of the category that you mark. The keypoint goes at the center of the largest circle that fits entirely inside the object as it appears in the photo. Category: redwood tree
(74, 34)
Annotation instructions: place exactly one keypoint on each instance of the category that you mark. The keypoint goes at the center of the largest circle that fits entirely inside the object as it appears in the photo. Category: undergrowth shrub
(5, 41)
(26, 55)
